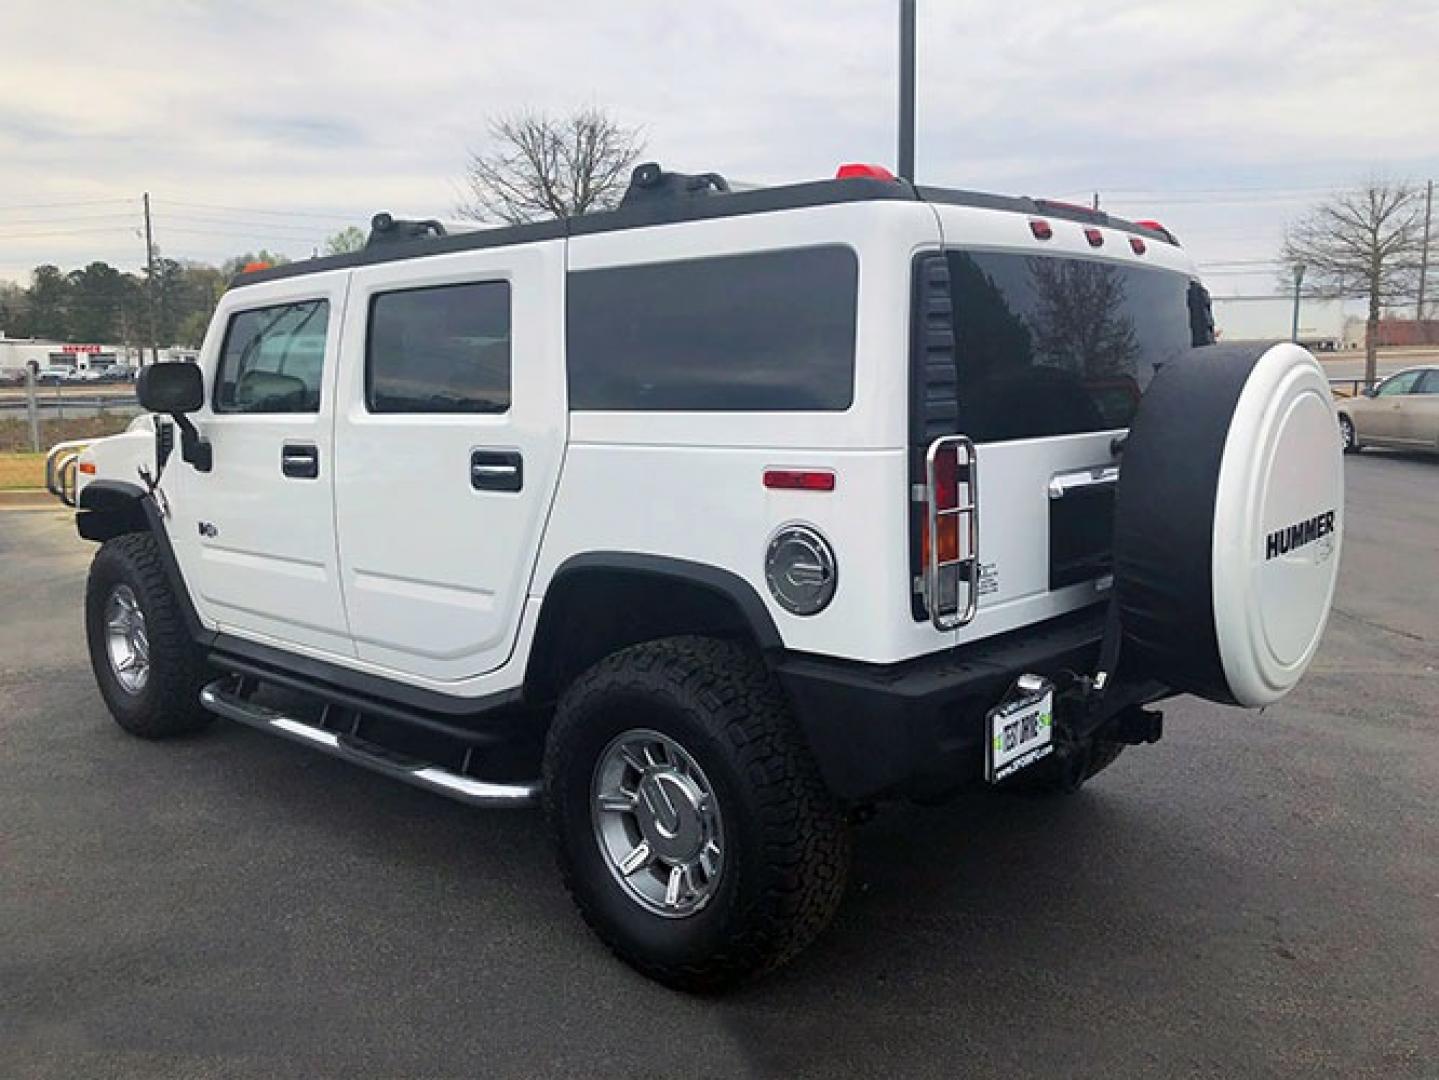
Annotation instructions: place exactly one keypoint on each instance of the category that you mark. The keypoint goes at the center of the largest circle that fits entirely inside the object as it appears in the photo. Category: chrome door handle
(496, 470)
(300, 461)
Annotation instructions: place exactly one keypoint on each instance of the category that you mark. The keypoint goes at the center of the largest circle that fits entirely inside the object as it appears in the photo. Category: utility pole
(1096, 200)
(150, 285)
(906, 89)
(1424, 252)
(1298, 281)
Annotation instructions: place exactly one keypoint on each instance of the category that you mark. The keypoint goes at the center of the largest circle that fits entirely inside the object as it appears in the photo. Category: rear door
(448, 448)
(255, 534)
(1055, 339)
(1420, 414)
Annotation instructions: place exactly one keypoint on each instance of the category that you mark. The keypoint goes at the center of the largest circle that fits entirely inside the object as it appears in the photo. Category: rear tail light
(946, 482)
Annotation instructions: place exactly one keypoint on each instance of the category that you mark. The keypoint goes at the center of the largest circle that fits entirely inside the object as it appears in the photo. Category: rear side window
(440, 350)
(764, 332)
(273, 358)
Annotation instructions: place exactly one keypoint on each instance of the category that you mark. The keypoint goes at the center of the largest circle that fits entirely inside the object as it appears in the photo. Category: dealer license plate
(1021, 732)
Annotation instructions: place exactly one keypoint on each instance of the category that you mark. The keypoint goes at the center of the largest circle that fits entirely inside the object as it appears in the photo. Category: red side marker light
(87, 467)
(1136, 245)
(799, 479)
(1095, 237)
(1040, 228)
(855, 170)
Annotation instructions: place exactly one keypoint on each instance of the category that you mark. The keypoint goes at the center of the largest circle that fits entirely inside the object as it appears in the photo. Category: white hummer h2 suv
(713, 519)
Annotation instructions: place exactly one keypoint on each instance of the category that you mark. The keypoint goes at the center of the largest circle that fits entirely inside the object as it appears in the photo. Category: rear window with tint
(444, 349)
(1048, 345)
(767, 331)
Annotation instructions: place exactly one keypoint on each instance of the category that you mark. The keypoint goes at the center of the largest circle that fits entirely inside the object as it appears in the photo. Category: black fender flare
(738, 597)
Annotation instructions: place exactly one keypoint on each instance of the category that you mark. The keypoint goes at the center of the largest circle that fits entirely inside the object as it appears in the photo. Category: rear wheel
(148, 668)
(691, 824)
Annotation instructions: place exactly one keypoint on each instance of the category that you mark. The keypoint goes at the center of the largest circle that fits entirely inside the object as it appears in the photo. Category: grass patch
(15, 434)
(19, 471)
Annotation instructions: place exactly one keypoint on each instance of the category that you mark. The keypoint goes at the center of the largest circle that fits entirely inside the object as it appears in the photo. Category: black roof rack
(656, 197)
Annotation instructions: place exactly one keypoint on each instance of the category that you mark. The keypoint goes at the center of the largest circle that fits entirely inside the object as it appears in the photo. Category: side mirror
(170, 388)
(176, 388)
(1371, 391)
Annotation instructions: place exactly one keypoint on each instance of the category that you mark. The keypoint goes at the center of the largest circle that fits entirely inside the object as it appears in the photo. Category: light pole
(1298, 281)
(906, 90)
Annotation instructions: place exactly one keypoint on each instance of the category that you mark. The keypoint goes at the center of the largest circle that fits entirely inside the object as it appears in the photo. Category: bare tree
(1363, 243)
(543, 167)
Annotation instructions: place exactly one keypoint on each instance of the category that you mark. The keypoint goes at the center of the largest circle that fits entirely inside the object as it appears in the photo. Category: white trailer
(1271, 318)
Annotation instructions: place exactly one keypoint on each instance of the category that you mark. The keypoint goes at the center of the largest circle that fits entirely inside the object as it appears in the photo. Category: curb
(29, 499)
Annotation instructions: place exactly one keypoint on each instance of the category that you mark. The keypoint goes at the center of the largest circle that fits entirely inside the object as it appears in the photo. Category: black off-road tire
(787, 840)
(169, 702)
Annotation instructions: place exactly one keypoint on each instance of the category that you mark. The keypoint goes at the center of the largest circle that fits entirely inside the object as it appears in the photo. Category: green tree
(49, 303)
(351, 238)
(14, 310)
(97, 295)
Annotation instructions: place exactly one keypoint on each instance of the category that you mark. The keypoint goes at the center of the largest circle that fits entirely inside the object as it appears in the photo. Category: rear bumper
(917, 727)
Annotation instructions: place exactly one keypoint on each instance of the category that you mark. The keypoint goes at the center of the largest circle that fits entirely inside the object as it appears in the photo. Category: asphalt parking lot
(1258, 895)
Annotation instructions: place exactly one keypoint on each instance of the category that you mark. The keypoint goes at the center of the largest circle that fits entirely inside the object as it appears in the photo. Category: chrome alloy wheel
(1346, 432)
(126, 643)
(657, 823)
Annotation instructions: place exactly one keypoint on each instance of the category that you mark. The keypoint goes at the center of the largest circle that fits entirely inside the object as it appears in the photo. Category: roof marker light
(1154, 226)
(859, 171)
(1095, 237)
(1136, 245)
(799, 479)
(1040, 228)
(252, 267)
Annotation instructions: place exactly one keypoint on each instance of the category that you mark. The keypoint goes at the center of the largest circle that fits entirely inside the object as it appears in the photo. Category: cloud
(337, 109)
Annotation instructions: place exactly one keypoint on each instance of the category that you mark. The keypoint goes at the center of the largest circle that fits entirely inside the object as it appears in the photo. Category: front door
(1383, 415)
(255, 534)
(448, 449)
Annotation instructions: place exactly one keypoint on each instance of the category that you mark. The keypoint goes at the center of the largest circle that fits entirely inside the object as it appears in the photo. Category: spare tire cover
(1228, 520)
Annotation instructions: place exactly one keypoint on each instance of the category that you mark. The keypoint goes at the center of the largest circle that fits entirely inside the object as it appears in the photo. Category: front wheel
(1347, 435)
(692, 827)
(148, 668)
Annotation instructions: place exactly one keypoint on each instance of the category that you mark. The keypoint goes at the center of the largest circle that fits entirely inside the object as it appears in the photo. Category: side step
(221, 698)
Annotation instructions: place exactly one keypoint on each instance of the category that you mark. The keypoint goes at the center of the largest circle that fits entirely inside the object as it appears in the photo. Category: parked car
(54, 376)
(1401, 412)
(710, 521)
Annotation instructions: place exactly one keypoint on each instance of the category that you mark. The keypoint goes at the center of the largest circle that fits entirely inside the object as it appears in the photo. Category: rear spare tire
(1228, 521)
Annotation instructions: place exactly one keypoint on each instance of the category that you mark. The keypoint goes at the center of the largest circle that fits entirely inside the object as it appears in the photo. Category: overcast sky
(272, 124)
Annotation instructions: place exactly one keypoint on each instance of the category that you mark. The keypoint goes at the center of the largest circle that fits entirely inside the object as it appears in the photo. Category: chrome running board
(221, 699)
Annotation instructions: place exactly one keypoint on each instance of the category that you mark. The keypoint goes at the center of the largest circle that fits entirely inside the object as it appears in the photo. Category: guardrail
(1348, 387)
(71, 401)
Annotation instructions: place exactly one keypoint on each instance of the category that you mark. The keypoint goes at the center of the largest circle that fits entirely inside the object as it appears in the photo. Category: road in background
(1257, 895)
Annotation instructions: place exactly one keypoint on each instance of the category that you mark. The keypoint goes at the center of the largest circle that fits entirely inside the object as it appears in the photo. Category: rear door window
(273, 359)
(444, 349)
(1049, 345)
(761, 332)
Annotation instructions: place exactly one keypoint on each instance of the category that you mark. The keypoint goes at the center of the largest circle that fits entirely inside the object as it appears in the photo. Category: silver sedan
(1402, 411)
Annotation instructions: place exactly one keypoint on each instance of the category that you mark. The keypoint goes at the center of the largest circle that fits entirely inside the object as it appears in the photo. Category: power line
(259, 210)
(51, 205)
